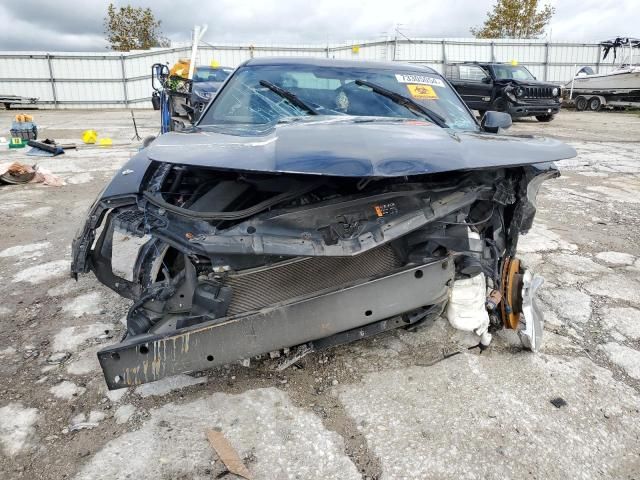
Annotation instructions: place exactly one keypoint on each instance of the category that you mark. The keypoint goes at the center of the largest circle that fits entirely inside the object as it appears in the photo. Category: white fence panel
(113, 79)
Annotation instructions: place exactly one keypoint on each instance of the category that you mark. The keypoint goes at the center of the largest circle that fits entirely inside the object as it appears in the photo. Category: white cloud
(78, 24)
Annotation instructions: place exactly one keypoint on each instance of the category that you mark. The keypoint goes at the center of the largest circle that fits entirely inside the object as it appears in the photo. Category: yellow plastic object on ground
(105, 142)
(180, 69)
(89, 136)
(23, 117)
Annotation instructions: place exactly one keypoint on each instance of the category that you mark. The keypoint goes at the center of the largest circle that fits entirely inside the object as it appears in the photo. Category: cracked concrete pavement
(384, 408)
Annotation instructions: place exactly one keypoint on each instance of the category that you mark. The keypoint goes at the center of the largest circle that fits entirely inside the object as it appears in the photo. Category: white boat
(622, 82)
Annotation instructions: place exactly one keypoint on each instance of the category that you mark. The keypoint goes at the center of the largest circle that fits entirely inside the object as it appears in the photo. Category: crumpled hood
(352, 147)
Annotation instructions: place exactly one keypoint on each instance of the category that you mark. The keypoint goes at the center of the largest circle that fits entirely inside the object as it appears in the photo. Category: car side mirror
(486, 80)
(493, 121)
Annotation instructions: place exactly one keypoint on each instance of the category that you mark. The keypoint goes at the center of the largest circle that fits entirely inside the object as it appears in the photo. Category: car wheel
(545, 118)
(500, 105)
(581, 103)
(594, 104)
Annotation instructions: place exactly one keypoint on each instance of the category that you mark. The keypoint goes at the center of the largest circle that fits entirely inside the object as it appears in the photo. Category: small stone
(30, 354)
(334, 382)
(58, 357)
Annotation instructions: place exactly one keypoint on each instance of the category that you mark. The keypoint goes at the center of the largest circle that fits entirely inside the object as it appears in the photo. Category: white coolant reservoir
(466, 309)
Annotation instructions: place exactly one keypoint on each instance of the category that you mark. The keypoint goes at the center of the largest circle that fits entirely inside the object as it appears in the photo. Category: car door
(475, 86)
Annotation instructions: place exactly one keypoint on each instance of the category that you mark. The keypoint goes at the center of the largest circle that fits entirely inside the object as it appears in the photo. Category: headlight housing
(519, 92)
(555, 92)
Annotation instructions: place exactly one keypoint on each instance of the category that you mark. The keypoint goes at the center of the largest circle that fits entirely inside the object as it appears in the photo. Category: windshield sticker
(421, 79)
(422, 92)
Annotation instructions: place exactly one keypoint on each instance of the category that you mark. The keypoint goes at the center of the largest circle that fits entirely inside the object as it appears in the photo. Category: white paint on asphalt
(615, 286)
(616, 259)
(43, 272)
(123, 413)
(569, 303)
(625, 320)
(87, 304)
(69, 338)
(540, 238)
(626, 358)
(483, 417)
(17, 430)
(22, 250)
(67, 390)
(283, 441)
(168, 384)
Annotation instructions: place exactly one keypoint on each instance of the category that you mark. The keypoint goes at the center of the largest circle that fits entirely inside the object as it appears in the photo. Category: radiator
(258, 288)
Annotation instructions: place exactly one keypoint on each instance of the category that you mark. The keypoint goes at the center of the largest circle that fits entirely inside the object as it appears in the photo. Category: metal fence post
(124, 82)
(546, 61)
(444, 54)
(53, 82)
(493, 52)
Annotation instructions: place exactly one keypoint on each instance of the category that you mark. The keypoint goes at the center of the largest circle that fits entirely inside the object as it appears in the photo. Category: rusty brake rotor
(511, 289)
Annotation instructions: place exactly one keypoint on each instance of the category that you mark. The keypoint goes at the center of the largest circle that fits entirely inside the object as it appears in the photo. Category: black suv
(504, 87)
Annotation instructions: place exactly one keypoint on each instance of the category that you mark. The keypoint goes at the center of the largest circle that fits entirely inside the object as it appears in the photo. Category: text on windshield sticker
(420, 79)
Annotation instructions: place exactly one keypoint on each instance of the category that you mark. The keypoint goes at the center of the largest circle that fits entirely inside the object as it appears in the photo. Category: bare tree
(515, 19)
(133, 28)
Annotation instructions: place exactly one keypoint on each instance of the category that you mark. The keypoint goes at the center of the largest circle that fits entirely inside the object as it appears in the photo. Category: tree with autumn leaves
(515, 19)
(133, 28)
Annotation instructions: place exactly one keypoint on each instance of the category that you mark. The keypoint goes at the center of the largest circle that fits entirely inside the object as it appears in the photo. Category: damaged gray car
(317, 202)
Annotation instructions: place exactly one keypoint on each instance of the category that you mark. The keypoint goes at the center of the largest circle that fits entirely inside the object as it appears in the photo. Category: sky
(77, 25)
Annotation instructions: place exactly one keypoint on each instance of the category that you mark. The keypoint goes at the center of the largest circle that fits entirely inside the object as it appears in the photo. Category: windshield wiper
(405, 102)
(289, 96)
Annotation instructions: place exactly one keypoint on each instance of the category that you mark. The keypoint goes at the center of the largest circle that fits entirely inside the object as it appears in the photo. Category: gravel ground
(384, 408)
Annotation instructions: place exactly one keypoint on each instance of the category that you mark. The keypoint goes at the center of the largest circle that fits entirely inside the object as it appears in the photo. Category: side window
(472, 73)
(452, 72)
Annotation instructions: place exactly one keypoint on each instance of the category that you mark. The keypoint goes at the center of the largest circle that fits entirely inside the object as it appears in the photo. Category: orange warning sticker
(422, 92)
(378, 210)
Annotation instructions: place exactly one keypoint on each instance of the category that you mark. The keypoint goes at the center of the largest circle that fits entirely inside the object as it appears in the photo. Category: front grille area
(259, 288)
(538, 92)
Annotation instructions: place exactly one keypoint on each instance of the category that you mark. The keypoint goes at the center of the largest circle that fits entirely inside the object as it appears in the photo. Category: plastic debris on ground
(89, 136)
(17, 173)
(47, 148)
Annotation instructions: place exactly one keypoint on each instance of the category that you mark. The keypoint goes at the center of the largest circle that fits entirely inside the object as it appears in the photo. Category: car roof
(332, 62)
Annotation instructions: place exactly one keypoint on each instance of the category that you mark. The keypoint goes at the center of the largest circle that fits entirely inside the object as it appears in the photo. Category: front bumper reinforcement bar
(147, 358)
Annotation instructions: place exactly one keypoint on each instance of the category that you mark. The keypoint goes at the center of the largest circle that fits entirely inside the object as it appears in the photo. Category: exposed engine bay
(235, 264)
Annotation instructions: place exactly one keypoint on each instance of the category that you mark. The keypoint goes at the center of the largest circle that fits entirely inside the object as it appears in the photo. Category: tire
(500, 105)
(595, 104)
(545, 118)
(581, 103)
